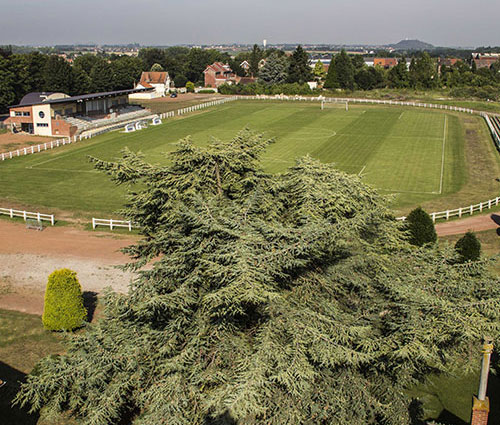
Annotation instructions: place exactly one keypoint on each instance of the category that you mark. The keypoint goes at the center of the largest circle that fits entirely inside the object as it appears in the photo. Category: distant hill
(412, 45)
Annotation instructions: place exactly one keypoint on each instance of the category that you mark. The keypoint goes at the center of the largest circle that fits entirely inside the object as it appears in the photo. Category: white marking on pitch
(361, 172)
(442, 155)
(401, 115)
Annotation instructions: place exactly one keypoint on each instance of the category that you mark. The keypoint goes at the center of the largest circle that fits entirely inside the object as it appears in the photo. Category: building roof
(219, 67)
(36, 97)
(157, 77)
(34, 100)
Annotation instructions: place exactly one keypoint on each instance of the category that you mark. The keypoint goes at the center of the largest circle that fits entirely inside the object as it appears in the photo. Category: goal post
(334, 104)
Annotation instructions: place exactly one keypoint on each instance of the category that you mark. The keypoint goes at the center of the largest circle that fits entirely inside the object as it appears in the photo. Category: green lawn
(416, 155)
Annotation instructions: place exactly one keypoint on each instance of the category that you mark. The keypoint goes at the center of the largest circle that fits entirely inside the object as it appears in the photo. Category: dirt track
(475, 224)
(27, 257)
(10, 142)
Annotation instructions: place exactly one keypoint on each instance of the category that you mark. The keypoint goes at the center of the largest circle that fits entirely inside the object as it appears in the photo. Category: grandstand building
(57, 114)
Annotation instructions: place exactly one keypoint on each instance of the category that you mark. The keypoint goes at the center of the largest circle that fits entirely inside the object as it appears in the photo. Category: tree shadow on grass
(90, 303)
(13, 415)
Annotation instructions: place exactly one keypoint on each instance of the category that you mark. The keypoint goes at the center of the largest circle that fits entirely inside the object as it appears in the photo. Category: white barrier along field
(27, 214)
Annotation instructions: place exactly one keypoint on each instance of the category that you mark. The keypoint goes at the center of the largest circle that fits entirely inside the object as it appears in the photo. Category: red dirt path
(27, 257)
(475, 224)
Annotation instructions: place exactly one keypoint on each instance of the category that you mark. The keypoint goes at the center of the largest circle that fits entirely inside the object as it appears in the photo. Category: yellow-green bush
(63, 309)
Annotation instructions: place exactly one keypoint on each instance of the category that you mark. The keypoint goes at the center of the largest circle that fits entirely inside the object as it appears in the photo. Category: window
(26, 114)
(19, 114)
(41, 114)
(41, 124)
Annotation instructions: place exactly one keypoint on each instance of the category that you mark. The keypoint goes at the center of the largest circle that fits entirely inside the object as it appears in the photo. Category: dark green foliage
(7, 79)
(157, 67)
(398, 75)
(369, 78)
(101, 76)
(255, 56)
(269, 299)
(190, 87)
(299, 70)
(420, 227)
(275, 70)
(181, 81)
(259, 88)
(126, 72)
(58, 75)
(63, 309)
(341, 72)
(468, 247)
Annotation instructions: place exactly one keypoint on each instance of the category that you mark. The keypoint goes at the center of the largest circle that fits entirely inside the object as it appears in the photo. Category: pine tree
(275, 70)
(421, 227)
(341, 72)
(468, 247)
(279, 299)
(255, 57)
(299, 70)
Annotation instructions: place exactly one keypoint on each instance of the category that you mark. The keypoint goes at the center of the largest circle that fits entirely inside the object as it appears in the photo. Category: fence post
(471, 209)
(480, 207)
(111, 224)
(52, 219)
(24, 215)
(433, 217)
(447, 214)
(38, 216)
(11, 213)
(93, 223)
(130, 226)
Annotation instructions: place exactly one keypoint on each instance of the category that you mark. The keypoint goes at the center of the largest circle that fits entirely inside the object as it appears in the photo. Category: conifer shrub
(63, 309)
(468, 247)
(421, 227)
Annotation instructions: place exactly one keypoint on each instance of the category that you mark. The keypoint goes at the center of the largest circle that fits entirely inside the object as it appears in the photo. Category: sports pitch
(412, 153)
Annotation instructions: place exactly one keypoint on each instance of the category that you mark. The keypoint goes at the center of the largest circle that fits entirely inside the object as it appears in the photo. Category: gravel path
(476, 224)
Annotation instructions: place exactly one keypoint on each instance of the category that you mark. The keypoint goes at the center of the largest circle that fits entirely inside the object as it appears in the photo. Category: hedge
(63, 309)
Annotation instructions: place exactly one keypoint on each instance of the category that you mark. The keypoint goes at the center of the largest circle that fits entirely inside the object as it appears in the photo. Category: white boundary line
(445, 131)
(361, 172)
(401, 115)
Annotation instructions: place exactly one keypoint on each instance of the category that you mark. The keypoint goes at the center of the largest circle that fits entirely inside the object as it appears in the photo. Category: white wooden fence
(357, 100)
(194, 108)
(459, 212)
(493, 130)
(26, 214)
(112, 223)
(35, 148)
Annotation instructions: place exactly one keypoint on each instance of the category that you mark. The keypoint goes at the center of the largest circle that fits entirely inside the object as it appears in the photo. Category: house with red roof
(219, 73)
(157, 80)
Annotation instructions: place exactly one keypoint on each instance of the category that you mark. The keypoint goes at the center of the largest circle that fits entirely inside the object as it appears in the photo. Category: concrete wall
(42, 120)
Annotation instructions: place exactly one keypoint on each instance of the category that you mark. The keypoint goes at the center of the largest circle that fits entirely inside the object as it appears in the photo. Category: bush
(190, 87)
(468, 247)
(63, 309)
(206, 91)
(421, 227)
(180, 81)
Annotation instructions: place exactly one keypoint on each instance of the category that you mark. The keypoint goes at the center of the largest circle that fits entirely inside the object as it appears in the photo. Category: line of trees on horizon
(21, 73)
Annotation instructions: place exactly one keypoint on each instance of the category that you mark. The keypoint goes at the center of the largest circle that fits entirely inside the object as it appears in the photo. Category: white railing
(493, 130)
(111, 223)
(195, 108)
(459, 212)
(36, 148)
(27, 214)
(357, 100)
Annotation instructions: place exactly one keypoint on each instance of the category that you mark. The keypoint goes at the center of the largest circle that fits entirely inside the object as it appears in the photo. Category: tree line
(21, 73)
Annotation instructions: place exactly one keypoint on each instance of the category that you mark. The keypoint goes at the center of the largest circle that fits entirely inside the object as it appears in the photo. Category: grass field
(417, 155)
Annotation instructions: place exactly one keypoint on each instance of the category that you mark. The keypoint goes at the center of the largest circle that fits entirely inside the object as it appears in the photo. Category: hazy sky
(169, 22)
